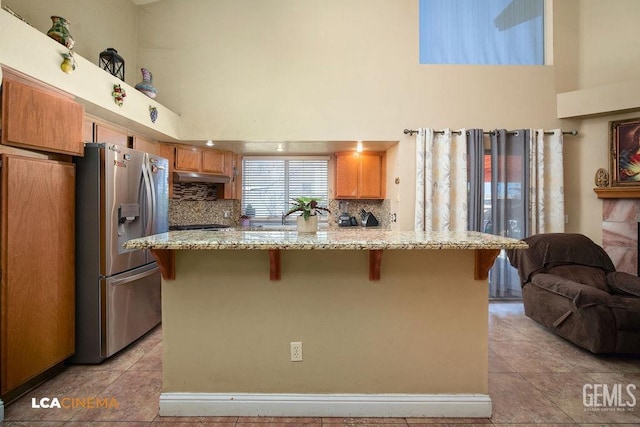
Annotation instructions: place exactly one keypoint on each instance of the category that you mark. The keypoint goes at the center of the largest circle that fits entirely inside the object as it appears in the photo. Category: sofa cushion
(581, 295)
(591, 276)
(624, 283)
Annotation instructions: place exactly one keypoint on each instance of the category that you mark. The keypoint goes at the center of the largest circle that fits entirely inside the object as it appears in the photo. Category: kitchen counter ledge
(323, 240)
(486, 246)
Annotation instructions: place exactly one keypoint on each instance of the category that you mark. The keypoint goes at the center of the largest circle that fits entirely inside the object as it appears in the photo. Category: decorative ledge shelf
(618, 192)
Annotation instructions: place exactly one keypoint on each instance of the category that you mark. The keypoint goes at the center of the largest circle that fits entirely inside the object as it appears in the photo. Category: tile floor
(535, 378)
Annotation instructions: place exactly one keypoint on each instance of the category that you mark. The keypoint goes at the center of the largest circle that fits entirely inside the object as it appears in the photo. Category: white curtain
(441, 180)
(546, 196)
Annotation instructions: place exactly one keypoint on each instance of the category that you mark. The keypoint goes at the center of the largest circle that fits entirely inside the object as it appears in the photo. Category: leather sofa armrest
(624, 283)
(580, 294)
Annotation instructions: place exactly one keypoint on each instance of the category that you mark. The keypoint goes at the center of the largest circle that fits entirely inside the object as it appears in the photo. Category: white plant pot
(308, 226)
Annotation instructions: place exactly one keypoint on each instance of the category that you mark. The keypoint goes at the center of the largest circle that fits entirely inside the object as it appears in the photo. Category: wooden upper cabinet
(360, 175)
(232, 164)
(111, 136)
(88, 130)
(38, 118)
(372, 176)
(347, 165)
(213, 161)
(188, 159)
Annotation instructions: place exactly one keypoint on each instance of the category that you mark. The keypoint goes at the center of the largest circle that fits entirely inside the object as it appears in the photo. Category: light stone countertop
(323, 240)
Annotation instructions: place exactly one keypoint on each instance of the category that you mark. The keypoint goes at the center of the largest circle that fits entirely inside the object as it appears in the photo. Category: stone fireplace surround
(620, 219)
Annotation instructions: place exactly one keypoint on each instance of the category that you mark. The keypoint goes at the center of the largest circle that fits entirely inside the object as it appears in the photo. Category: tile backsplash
(194, 191)
(185, 212)
(381, 209)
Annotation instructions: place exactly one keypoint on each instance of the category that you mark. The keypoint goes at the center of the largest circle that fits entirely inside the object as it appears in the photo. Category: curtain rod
(514, 132)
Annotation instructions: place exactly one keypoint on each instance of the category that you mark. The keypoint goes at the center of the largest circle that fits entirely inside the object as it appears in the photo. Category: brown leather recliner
(570, 285)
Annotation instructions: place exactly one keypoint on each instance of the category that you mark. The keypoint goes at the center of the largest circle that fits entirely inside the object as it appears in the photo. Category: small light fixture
(359, 147)
(210, 143)
(279, 148)
(112, 62)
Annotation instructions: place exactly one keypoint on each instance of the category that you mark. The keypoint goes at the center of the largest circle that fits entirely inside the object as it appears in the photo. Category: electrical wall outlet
(296, 352)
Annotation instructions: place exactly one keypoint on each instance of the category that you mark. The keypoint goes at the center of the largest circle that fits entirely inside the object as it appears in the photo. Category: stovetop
(197, 227)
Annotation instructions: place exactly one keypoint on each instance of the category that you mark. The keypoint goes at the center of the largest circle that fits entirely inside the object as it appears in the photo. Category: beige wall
(607, 46)
(227, 328)
(609, 34)
(331, 70)
(335, 70)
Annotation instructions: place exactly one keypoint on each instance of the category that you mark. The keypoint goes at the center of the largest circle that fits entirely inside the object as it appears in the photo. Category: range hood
(200, 177)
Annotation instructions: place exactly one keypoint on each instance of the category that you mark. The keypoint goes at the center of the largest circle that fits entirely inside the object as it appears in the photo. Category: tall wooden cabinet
(360, 175)
(37, 261)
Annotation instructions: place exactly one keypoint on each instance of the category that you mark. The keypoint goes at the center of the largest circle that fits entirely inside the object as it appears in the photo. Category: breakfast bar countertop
(323, 240)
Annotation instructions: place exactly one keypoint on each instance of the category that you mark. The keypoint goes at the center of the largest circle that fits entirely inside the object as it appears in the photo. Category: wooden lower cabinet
(37, 261)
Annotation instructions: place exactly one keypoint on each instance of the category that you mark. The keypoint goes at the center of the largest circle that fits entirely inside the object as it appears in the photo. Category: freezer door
(130, 307)
(123, 213)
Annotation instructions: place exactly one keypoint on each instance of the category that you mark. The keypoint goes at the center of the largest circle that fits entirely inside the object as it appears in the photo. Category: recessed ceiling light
(210, 143)
(359, 147)
(279, 148)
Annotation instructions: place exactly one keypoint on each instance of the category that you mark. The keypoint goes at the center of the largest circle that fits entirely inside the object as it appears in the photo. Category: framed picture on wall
(625, 152)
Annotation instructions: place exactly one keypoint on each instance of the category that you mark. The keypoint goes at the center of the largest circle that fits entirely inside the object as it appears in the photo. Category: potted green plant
(309, 210)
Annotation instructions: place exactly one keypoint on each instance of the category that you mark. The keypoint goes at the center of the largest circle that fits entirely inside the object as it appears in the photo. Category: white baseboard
(325, 405)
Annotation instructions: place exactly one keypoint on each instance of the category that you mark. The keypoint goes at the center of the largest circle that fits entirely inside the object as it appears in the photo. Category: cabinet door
(232, 170)
(188, 159)
(371, 182)
(111, 136)
(213, 161)
(37, 258)
(88, 130)
(142, 144)
(33, 117)
(347, 166)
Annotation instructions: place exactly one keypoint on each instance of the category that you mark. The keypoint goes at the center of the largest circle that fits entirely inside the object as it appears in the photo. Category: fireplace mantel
(618, 192)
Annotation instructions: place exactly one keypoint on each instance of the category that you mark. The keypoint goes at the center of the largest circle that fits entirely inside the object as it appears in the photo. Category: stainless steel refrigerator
(122, 194)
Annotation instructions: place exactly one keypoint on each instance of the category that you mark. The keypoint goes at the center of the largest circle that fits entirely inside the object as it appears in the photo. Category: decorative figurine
(602, 178)
(68, 63)
(153, 113)
(146, 85)
(118, 94)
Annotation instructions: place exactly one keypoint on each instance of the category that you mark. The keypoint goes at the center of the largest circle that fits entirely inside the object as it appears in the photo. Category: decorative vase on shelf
(146, 85)
(309, 225)
(60, 32)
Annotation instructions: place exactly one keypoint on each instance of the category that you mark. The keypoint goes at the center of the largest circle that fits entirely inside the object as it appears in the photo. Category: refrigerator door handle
(150, 193)
(133, 278)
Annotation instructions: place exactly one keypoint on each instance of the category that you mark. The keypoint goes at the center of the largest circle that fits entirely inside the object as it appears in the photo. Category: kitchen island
(392, 324)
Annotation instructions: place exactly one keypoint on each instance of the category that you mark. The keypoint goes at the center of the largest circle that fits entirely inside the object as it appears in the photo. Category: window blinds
(268, 184)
